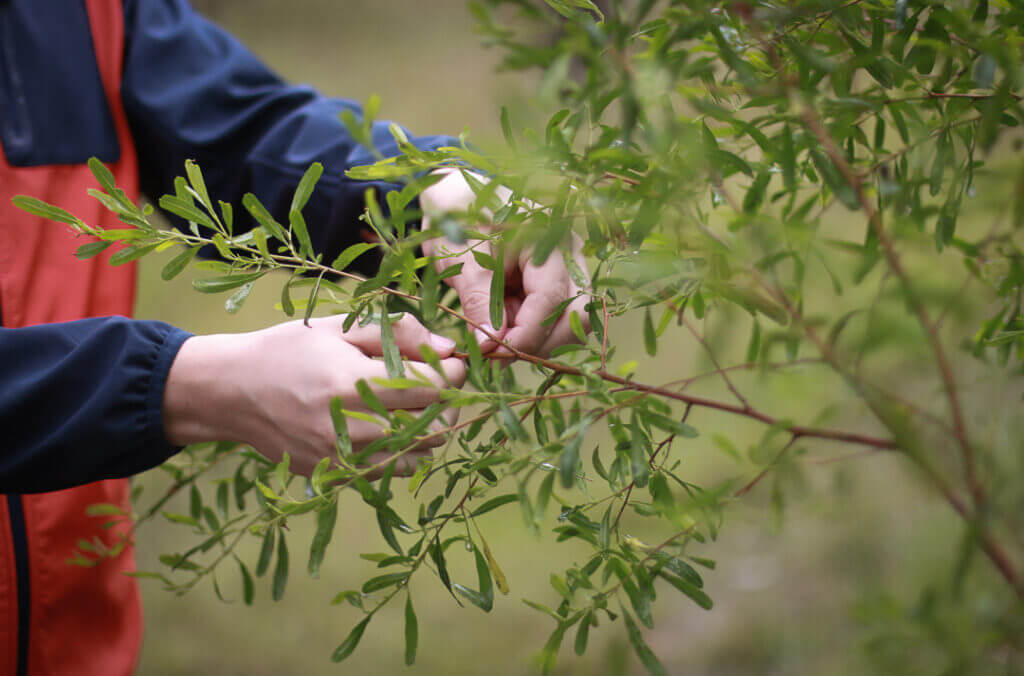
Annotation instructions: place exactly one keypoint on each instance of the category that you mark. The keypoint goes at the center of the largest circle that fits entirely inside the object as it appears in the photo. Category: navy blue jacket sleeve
(193, 91)
(82, 401)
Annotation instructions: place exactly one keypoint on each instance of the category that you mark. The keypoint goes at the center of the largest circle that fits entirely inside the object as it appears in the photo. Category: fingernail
(441, 344)
(482, 337)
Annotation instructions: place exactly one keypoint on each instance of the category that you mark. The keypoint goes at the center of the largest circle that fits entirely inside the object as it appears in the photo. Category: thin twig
(718, 367)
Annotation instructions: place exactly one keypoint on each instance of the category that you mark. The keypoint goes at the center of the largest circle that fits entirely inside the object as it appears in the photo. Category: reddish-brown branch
(814, 123)
(993, 549)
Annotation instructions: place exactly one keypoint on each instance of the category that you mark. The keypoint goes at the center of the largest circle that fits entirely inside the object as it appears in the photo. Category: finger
(409, 336)
(453, 374)
(562, 333)
(473, 284)
(406, 463)
(545, 286)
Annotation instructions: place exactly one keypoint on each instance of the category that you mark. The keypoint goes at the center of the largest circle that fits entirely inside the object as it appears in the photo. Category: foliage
(817, 165)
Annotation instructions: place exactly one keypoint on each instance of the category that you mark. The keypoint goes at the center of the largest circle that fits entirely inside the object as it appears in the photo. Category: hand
(272, 388)
(532, 292)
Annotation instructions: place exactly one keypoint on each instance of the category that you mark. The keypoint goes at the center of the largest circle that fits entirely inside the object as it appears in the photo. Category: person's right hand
(272, 388)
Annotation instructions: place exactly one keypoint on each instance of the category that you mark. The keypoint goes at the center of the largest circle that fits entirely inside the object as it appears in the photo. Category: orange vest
(81, 620)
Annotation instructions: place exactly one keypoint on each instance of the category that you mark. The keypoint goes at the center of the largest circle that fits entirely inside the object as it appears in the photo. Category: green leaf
(452, 230)
(225, 283)
(879, 133)
(437, 556)
(392, 356)
(384, 581)
(103, 175)
(263, 217)
(755, 193)
(650, 337)
(484, 598)
(186, 210)
(314, 296)
(325, 520)
(384, 523)
(248, 587)
(568, 461)
(697, 595)
(411, 632)
(577, 326)
(234, 303)
(544, 493)
(647, 217)
(178, 263)
(195, 178)
(938, 165)
(280, 570)
(495, 503)
(370, 399)
(483, 576)
(640, 598)
(131, 253)
(506, 128)
(195, 502)
(348, 646)
(91, 249)
(605, 533)
(639, 458)
(549, 654)
(227, 215)
(571, 455)
(575, 9)
(583, 633)
(835, 181)
(497, 304)
(643, 651)
(37, 207)
(286, 298)
(344, 442)
(500, 581)
(680, 429)
(105, 509)
(298, 224)
(346, 257)
(306, 186)
(266, 552)
(183, 519)
(510, 421)
(259, 236)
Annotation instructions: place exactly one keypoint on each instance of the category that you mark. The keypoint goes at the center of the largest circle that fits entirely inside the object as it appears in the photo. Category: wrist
(202, 390)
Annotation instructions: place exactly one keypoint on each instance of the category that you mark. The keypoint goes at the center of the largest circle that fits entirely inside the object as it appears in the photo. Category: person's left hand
(532, 292)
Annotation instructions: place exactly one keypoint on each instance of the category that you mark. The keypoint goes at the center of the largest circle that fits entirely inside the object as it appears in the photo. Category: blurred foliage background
(799, 595)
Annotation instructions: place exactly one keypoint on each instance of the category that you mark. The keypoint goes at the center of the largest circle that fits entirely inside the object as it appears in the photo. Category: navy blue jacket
(81, 401)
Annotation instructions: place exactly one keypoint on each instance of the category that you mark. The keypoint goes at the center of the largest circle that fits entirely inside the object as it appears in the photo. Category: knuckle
(475, 298)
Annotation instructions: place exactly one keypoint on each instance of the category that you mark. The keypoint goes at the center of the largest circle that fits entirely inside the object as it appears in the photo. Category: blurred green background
(859, 537)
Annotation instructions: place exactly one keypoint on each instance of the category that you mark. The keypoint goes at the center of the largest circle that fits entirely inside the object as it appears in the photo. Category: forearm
(200, 401)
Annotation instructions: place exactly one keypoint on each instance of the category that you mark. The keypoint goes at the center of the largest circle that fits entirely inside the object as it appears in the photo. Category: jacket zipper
(19, 541)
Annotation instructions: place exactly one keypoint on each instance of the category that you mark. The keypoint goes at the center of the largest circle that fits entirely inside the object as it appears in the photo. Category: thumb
(409, 335)
(474, 285)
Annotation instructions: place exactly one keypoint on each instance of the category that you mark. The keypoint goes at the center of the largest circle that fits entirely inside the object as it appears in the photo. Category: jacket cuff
(155, 441)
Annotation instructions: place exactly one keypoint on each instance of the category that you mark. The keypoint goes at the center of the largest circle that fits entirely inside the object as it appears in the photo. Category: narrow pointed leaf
(411, 632)
(280, 571)
(325, 521)
(348, 646)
